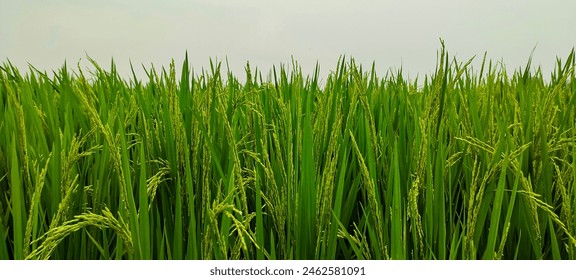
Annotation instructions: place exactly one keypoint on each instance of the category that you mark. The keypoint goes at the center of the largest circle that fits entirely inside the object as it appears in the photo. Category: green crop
(465, 164)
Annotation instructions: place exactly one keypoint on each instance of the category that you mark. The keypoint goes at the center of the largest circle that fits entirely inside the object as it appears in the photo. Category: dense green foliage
(465, 164)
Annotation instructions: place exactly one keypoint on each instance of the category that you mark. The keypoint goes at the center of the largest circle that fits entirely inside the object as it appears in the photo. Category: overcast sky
(392, 33)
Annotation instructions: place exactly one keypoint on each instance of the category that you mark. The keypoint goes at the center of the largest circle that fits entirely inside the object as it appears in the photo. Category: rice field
(463, 163)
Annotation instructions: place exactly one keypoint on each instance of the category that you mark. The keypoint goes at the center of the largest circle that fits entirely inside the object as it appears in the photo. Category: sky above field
(392, 34)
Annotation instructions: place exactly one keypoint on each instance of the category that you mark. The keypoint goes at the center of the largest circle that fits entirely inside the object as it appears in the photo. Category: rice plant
(462, 164)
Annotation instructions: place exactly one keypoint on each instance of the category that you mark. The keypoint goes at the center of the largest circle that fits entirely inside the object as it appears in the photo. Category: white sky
(392, 33)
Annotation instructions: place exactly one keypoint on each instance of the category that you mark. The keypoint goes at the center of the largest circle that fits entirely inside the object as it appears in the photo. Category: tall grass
(465, 164)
